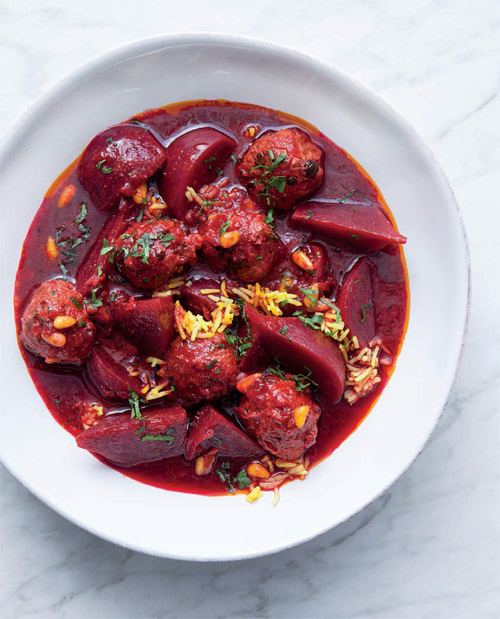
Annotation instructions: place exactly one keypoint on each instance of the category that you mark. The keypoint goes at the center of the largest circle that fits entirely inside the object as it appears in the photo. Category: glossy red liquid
(62, 387)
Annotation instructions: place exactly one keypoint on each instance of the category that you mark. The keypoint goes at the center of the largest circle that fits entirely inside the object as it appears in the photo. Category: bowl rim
(152, 44)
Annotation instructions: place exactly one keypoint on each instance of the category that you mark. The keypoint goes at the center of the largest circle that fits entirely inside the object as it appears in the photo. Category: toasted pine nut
(140, 193)
(254, 469)
(203, 465)
(64, 322)
(302, 260)
(145, 389)
(228, 239)
(309, 303)
(51, 248)
(66, 195)
(286, 282)
(55, 339)
(245, 383)
(300, 415)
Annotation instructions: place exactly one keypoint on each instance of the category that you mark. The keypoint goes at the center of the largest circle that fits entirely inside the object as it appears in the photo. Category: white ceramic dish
(160, 70)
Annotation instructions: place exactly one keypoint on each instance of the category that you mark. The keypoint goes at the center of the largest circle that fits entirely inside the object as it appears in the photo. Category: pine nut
(51, 248)
(64, 322)
(55, 339)
(140, 193)
(300, 415)
(302, 260)
(245, 383)
(66, 195)
(255, 469)
(228, 239)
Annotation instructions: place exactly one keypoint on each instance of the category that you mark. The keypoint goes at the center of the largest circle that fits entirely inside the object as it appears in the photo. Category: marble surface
(431, 546)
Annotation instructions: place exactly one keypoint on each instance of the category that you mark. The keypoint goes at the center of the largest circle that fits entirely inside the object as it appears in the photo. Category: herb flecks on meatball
(151, 252)
(282, 167)
(201, 370)
(280, 413)
(237, 237)
(55, 324)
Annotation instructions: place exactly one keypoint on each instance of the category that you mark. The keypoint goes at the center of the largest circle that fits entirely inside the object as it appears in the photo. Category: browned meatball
(282, 167)
(268, 411)
(237, 237)
(203, 369)
(151, 252)
(55, 324)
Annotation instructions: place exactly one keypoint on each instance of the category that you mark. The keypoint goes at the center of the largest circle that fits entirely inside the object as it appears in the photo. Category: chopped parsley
(111, 141)
(242, 479)
(94, 301)
(210, 365)
(224, 227)
(102, 168)
(168, 437)
(303, 381)
(309, 214)
(268, 179)
(64, 271)
(134, 401)
(76, 302)
(311, 294)
(283, 331)
(363, 312)
(354, 236)
(83, 213)
(106, 247)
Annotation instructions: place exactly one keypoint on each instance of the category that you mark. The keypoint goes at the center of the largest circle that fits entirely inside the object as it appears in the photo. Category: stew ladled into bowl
(212, 297)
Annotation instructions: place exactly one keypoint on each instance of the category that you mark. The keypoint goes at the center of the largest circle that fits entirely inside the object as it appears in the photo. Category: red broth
(64, 387)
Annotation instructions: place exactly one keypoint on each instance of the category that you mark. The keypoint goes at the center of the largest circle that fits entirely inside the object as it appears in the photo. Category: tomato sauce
(64, 388)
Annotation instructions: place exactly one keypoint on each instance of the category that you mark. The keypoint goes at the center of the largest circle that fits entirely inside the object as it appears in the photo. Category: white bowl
(160, 70)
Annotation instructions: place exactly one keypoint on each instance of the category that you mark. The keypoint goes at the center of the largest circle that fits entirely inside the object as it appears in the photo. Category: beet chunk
(193, 300)
(160, 434)
(110, 364)
(362, 225)
(300, 347)
(87, 276)
(212, 433)
(149, 323)
(116, 162)
(267, 411)
(192, 160)
(356, 303)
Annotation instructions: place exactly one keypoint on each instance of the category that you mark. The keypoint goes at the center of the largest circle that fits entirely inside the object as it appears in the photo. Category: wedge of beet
(363, 225)
(193, 160)
(355, 300)
(301, 348)
(110, 377)
(192, 298)
(214, 433)
(149, 323)
(89, 275)
(160, 434)
(116, 162)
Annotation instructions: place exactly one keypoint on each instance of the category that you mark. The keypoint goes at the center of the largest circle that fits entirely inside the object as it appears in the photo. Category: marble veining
(431, 546)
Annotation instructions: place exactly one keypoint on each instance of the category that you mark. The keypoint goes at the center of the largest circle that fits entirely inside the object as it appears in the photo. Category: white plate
(160, 70)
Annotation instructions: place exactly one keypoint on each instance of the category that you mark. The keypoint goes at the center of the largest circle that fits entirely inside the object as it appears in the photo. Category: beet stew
(211, 298)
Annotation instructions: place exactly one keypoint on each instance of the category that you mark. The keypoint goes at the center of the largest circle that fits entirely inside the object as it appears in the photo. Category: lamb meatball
(236, 237)
(55, 324)
(203, 369)
(282, 167)
(267, 412)
(151, 252)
